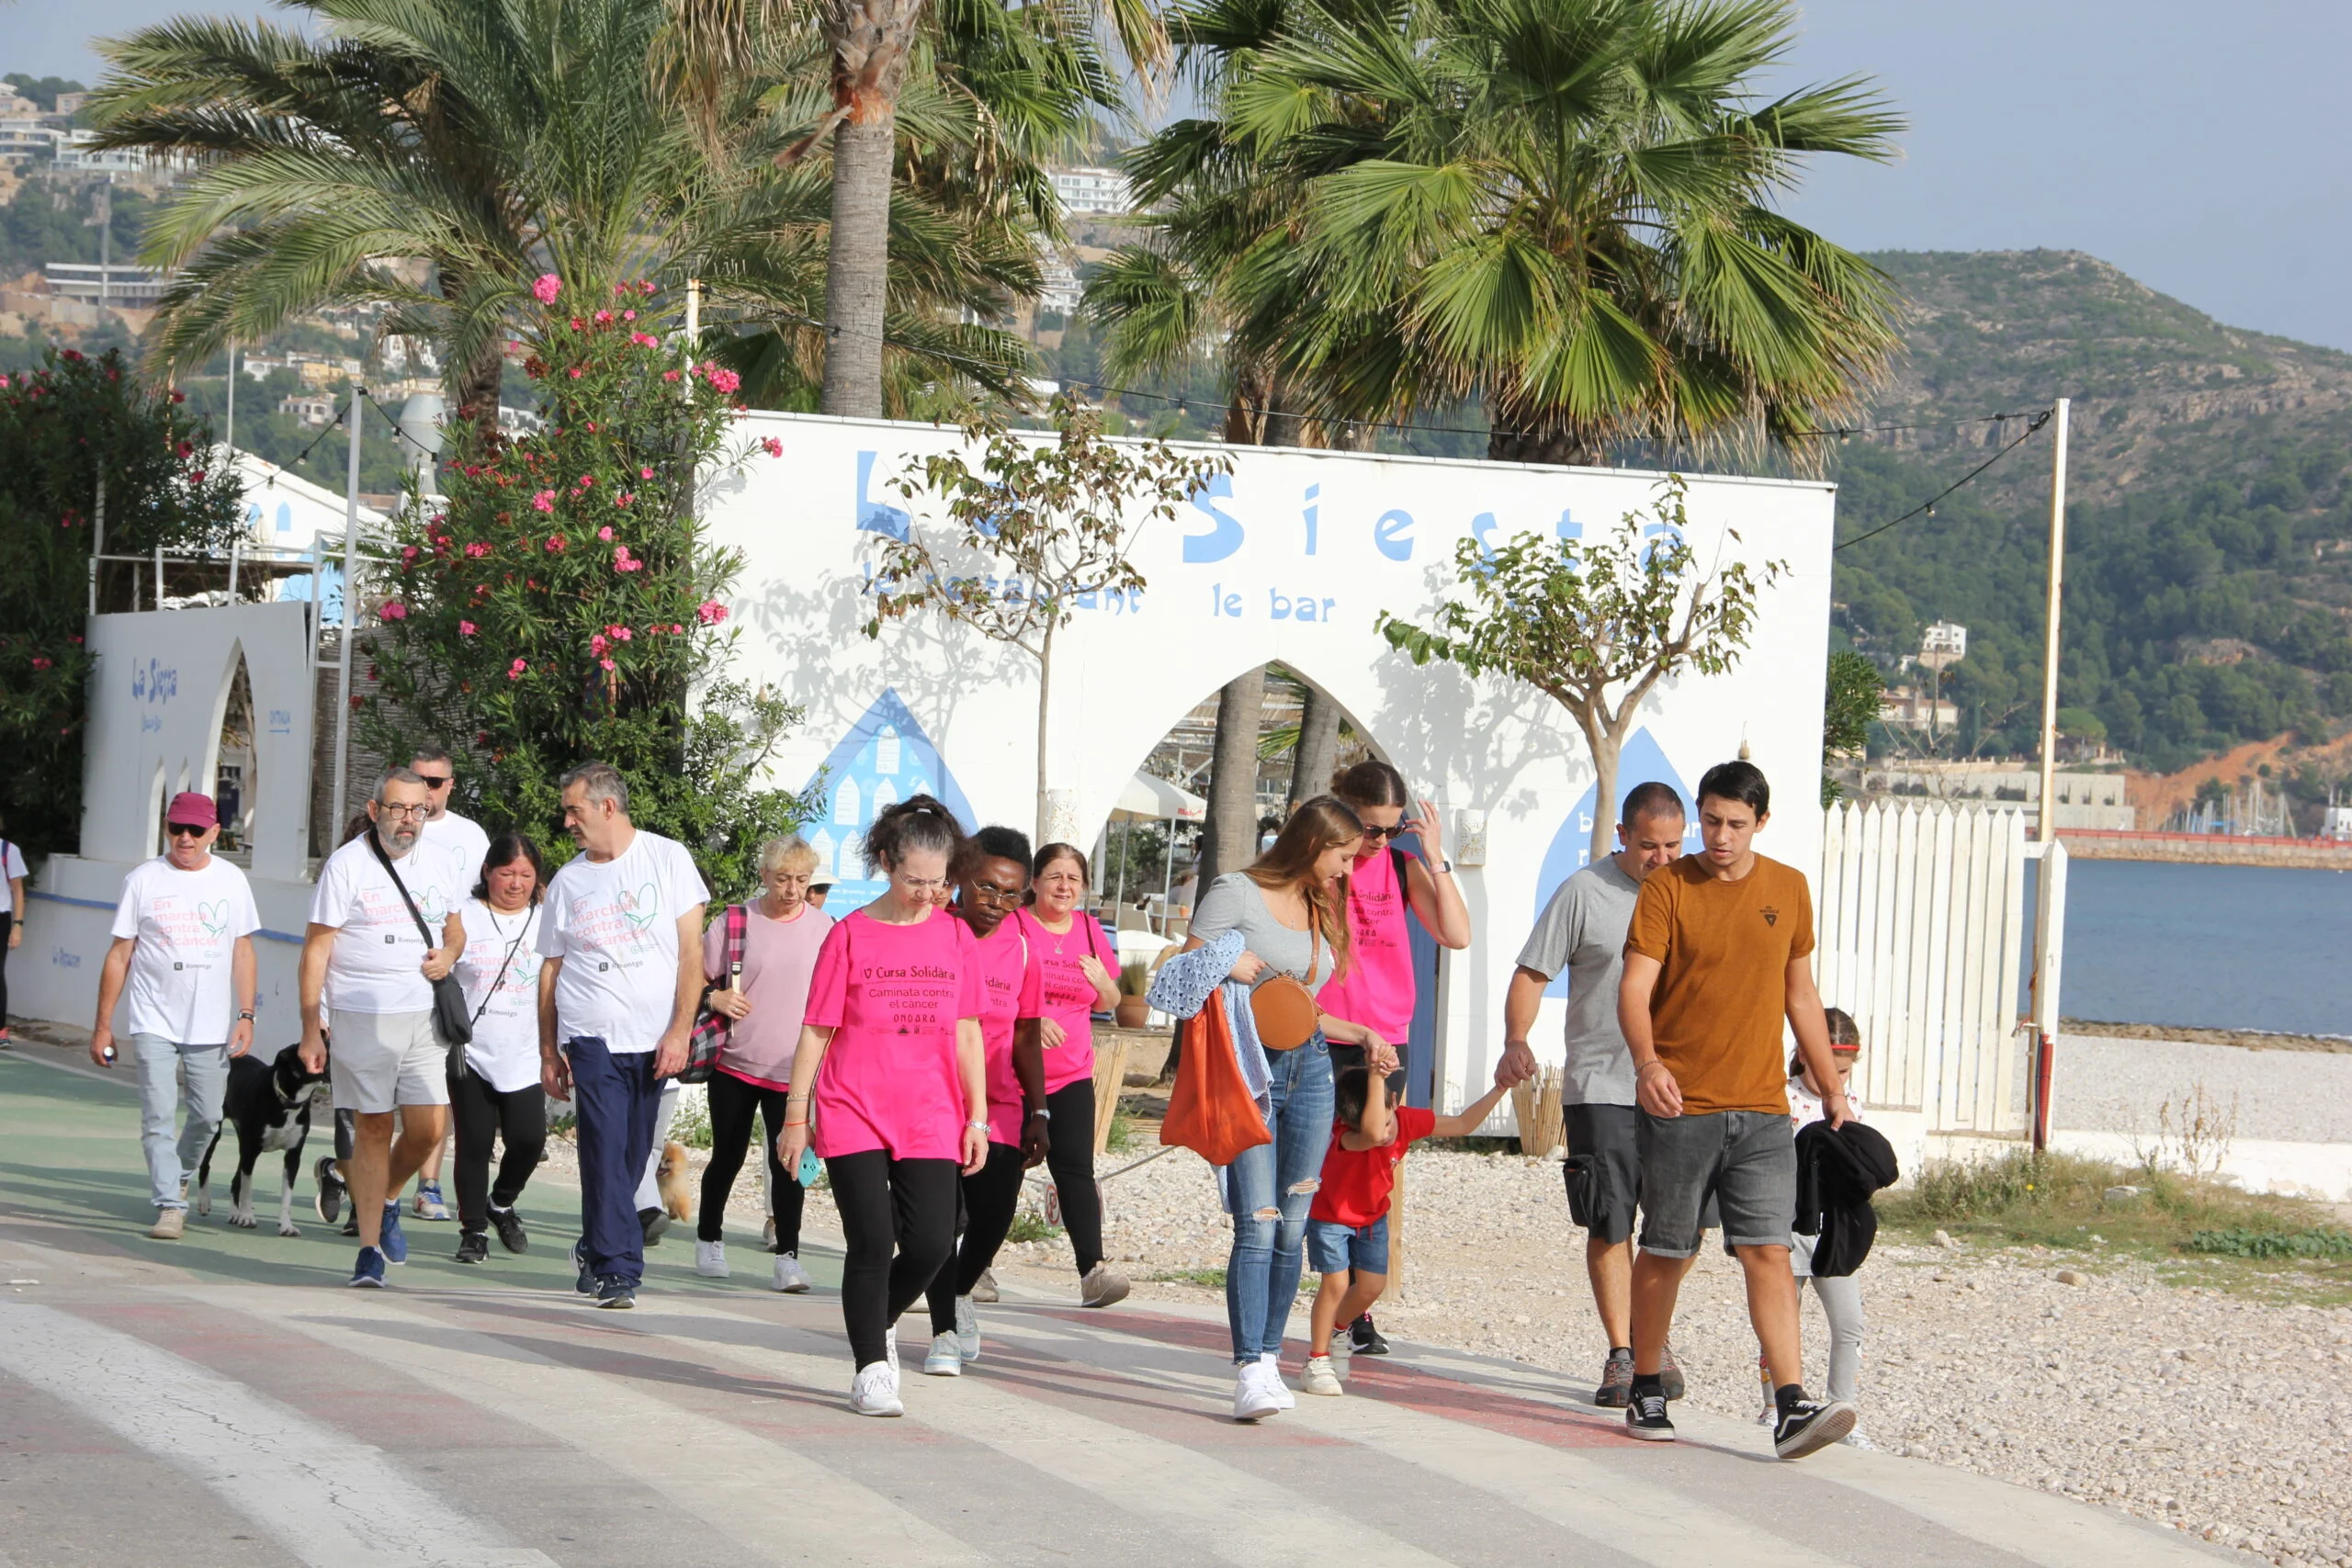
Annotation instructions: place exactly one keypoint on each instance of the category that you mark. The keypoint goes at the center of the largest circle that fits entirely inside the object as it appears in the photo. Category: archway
(233, 770)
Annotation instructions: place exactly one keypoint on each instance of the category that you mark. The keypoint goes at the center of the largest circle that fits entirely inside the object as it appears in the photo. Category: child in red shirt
(1346, 1226)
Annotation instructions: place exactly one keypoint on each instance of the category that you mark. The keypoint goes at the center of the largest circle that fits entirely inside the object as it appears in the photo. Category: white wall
(1348, 535)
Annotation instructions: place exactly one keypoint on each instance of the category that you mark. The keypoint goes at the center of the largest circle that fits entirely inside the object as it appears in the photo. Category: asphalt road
(225, 1400)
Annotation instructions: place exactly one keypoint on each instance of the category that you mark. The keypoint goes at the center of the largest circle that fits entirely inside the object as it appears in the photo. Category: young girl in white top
(1842, 1297)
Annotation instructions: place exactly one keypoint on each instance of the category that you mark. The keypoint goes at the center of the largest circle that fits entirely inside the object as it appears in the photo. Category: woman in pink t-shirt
(1072, 975)
(781, 934)
(891, 1045)
(1379, 989)
(991, 883)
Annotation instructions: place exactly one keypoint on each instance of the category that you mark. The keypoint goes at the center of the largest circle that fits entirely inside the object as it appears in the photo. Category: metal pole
(236, 541)
(2046, 817)
(349, 619)
(97, 542)
(230, 438)
(693, 320)
(158, 577)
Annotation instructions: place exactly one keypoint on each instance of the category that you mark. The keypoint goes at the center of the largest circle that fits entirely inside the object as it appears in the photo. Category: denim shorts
(1603, 1171)
(1334, 1248)
(1745, 1160)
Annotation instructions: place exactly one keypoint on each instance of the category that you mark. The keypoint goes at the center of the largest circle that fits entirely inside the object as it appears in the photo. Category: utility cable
(1927, 507)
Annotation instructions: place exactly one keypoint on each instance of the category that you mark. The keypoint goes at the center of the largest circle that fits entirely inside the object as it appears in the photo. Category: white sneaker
(967, 1329)
(947, 1358)
(790, 1278)
(874, 1391)
(1858, 1439)
(1319, 1378)
(1253, 1400)
(710, 1259)
(1280, 1390)
(890, 1350)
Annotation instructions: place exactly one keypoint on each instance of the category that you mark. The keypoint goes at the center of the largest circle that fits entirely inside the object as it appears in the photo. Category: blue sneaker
(368, 1274)
(616, 1293)
(586, 1283)
(395, 1243)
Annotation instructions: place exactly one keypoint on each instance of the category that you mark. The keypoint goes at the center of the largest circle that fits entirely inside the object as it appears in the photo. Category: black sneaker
(1811, 1424)
(509, 1226)
(1669, 1373)
(586, 1283)
(654, 1222)
(1366, 1339)
(1616, 1390)
(615, 1294)
(1646, 1418)
(329, 1201)
(474, 1246)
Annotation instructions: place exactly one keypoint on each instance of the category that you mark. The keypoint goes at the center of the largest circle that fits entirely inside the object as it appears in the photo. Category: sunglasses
(1384, 834)
(185, 830)
(434, 781)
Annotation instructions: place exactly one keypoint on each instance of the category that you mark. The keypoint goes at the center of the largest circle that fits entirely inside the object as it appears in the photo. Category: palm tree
(1564, 206)
(434, 155)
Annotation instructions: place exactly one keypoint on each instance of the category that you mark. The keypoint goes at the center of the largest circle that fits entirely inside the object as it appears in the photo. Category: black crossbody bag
(452, 1020)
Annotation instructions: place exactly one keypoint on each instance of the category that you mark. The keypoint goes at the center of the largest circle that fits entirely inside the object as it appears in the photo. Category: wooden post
(1111, 1057)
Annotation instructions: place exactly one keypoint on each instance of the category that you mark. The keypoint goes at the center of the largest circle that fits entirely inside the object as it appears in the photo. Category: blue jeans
(615, 1094)
(1268, 1191)
(171, 1161)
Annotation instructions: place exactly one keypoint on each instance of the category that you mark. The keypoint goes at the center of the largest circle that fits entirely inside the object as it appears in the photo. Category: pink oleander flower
(622, 498)
(628, 315)
(556, 542)
(575, 373)
(774, 448)
(645, 473)
(677, 630)
(602, 317)
(408, 552)
(669, 374)
(544, 288)
(477, 551)
(623, 633)
(514, 671)
(467, 628)
(39, 662)
(543, 501)
(583, 482)
(710, 612)
(605, 533)
(393, 610)
(646, 286)
(721, 379)
(598, 643)
(644, 340)
(609, 664)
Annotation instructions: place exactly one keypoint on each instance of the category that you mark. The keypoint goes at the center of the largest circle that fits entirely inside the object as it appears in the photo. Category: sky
(2200, 149)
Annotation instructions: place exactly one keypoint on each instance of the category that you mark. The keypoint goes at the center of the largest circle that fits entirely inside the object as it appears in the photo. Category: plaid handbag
(709, 1037)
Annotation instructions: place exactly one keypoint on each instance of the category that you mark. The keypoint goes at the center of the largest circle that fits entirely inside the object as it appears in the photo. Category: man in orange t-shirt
(1718, 952)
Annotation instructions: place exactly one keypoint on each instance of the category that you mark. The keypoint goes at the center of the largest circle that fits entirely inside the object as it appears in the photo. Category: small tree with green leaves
(1594, 626)
(1849, 707)
(1039, 528)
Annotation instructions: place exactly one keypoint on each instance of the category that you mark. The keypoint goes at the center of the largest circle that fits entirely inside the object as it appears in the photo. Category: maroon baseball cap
(190, 809)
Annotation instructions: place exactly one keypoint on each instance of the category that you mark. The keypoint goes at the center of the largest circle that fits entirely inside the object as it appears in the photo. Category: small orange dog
(677, 1192)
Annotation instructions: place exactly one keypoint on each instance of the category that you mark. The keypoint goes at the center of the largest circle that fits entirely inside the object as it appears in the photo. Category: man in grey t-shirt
(1582, 932)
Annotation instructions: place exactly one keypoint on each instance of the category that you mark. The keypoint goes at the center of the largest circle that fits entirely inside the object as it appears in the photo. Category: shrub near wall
(562, 605)
(63, 425)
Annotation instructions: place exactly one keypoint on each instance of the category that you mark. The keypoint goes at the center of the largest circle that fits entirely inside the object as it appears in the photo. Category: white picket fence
(1920, 932)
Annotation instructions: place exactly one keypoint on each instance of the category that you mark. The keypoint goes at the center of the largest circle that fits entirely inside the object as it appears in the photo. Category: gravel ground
(2109, 1084)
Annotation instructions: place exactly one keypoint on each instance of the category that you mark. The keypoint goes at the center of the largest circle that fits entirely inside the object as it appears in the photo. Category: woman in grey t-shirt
(1289, 907)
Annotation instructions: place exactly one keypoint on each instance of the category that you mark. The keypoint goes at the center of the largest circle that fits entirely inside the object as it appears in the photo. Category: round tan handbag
(1281, 1006)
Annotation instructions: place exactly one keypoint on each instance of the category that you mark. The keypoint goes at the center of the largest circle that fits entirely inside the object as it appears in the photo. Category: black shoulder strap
(385, 861)
(1403, 864)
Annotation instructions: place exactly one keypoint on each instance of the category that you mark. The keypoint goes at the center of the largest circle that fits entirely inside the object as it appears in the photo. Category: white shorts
(380, 1060)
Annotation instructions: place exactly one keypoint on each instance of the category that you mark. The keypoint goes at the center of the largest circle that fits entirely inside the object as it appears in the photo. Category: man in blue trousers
(621, 932)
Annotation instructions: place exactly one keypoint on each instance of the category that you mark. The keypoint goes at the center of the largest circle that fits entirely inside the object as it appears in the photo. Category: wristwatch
(1044, 1111)
(247, 1014)
(1442, 866)
(979, 1126)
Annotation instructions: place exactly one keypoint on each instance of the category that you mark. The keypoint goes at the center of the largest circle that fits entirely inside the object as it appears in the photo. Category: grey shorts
(380, 1060)
(1745, 1161)
(1604, 1171)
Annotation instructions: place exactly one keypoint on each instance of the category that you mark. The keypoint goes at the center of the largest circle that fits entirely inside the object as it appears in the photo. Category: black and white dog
(268, 1104)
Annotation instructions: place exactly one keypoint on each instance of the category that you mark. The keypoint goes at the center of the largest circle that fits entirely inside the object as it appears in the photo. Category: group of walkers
(925, 1050)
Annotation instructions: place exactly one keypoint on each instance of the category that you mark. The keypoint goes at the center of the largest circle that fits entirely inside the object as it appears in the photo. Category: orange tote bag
(1211, 1112)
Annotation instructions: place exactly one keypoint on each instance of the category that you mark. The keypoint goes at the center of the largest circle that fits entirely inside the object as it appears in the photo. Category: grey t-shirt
(1582, 930)
(1235, 902)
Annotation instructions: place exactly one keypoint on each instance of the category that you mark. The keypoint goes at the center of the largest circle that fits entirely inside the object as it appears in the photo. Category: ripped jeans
(1267, 1190)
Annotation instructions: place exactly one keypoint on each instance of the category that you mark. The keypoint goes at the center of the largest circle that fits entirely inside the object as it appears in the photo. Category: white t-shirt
(1804, 1106)
(186, 924)
(614, 925)
(502, 993)
(461, 837)
(12, 862)
(377, 963)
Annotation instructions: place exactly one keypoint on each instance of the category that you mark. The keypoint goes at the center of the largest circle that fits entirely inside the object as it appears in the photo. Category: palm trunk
(1231, 839)
(869, 40)
(1318, 753)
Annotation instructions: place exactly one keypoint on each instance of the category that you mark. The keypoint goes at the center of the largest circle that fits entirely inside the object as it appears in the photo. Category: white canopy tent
(1146, 798)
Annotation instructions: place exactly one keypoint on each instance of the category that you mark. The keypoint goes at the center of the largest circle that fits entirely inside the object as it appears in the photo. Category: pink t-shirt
(1004, 963)
(892, 995)
(1058, 989)
(1377, 990)
(779, 957)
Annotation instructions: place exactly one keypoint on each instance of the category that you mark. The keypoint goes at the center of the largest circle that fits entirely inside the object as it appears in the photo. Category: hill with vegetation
(2208, 529)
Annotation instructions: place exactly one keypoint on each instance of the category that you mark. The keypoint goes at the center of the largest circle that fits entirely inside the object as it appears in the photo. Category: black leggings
(731, 1104)
(8, 923)
(1069, 1159)
(990, 1199)
(887, 1206)
(518, 1118)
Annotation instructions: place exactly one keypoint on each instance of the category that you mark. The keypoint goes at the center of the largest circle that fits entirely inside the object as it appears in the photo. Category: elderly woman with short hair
(782, 931)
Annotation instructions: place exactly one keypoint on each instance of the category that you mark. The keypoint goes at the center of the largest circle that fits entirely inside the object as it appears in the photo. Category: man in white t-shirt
(621, 931)
(464, 837)
(370, 956)
(183, 938)
(12, 920)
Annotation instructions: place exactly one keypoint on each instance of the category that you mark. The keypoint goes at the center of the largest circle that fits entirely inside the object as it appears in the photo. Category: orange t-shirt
(1723, 950)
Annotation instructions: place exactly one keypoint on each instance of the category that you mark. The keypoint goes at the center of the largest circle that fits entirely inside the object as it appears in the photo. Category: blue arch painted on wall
(1642, 760)
(883, 757)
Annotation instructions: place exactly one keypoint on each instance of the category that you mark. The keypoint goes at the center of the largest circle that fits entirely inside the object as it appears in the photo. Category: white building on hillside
(1096, 192)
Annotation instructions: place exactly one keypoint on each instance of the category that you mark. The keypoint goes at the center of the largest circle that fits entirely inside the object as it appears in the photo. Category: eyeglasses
(924, 883)
(434, 781)
(419, 810)
(982, 891)
(185, 830)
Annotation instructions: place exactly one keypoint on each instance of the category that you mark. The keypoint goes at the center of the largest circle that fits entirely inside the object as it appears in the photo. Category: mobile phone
(811, 1167)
